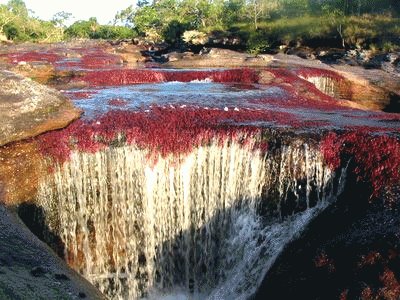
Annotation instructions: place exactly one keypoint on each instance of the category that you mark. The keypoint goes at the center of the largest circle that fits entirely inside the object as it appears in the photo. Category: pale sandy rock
(28, 108)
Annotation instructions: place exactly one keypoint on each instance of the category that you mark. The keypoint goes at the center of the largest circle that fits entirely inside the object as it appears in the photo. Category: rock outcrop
(30, 270)
(28, 108)
(372, 89)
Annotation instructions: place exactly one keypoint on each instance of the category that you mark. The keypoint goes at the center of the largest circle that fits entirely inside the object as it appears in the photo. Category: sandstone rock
(372, 89)
(41, 73)
(226, 53)
(129, 53)
(28, 108)
(21, 169)
(217, 58)
(175, 56)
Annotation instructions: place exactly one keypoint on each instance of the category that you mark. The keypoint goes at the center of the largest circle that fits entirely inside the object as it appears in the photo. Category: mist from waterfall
(207, 224)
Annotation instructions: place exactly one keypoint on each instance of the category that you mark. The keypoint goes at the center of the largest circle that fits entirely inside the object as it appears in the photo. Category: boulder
(217, 58)
(129, 53)
(28, 108)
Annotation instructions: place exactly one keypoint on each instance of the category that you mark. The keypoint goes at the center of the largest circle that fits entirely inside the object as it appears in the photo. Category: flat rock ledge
(28, 108)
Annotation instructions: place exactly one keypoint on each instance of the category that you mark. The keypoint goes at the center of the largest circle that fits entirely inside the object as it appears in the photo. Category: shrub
(258, 42)
(173, 31)
(152, 36)
(195, 37)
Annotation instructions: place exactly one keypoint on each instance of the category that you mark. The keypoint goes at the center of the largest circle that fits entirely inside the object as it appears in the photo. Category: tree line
(18, 23)
(259, 23)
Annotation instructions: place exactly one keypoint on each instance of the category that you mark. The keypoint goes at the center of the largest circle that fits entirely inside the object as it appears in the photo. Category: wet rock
(61, 276)
(27, 276)
(375, 61)
(40, 72)
(394, 58)
(341, 261)
(28, 108)
(21, 168)
(38, 272)
(225, 38)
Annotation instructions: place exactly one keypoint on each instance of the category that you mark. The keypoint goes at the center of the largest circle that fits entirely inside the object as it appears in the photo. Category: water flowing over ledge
(181, 184)
(207, 224)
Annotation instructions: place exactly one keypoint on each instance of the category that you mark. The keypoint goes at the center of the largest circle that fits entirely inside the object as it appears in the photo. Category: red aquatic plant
(391, 285)
(55, 144)
(132, 76)
(160, 130)
(302, 93)
(372, 258)
(376, 157)
(99, 59)
(33, 56)
(322, 260)
(117, 102)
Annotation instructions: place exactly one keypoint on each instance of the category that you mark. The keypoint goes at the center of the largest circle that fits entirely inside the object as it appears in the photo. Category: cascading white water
(325, 84)
(138, 228)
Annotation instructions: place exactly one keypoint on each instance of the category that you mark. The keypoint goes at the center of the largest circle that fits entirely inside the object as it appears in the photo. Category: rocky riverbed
(287, 100)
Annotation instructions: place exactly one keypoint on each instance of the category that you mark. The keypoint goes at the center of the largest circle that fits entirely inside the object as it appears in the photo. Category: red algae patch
(117, 102)
(160, 130)
(99, 60)
(33, 57)
(68, 58)
(376, 158)
(133, 76)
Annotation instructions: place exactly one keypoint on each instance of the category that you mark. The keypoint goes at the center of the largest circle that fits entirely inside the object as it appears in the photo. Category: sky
(104, 11)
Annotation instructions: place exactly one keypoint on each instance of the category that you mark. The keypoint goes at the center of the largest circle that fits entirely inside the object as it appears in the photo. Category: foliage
(258, 42)
(93, 30)
(376, 158)
(260, 24)
(173, 31)
(152, 36)
(353, 31)
(17, 24)
(360, 31)
(263, 22)
(195, 37)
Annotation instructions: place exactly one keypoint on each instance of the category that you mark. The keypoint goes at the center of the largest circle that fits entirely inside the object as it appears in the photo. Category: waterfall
(327, 85)
(192, 226)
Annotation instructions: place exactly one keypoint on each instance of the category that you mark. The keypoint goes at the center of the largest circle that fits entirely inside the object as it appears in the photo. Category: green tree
(18, 7)
(6, 17)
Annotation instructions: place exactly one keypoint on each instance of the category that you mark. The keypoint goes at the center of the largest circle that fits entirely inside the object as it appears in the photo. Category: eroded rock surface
(30, 270)
(28, 108)
(21, 168)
